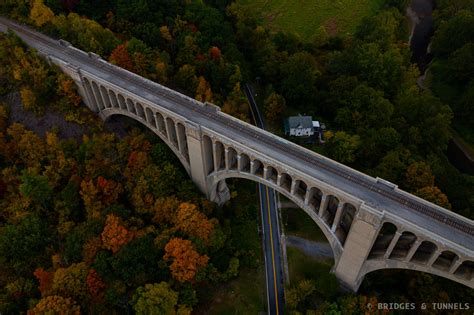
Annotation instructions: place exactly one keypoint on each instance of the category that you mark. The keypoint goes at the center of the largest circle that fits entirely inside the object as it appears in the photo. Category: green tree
(157, 298)
(343, 147)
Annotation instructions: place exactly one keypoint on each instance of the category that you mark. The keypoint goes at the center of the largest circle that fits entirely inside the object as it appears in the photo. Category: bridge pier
(363, 232)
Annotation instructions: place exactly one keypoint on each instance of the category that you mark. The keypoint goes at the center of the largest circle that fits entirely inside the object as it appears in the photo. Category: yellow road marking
(273, 251)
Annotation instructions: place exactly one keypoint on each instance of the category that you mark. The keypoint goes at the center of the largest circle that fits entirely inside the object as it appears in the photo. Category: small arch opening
(331, 209)
(345, 223)
(113, 99)
(424, 252)
(131, 107)
(465, 270)
(445, 260)
(244, 163)
(122, 103)
(172, 132)
(315, 198)
(150, 118)
(258, 168)
(105, 97)
(208, 155)
(140, 111)
(382, 242)
(219, 156)
(300, 190)
(285, 182)
(272, 174)
(231, 159)
(403, 246)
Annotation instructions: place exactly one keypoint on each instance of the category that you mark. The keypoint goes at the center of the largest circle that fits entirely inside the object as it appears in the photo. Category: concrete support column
(293, 187)
(455, 265)
(392, 244)
(412, 250)
(239, 162)
(197, 157)
(434, 257)
(323, 205)
(227, 158)
(216, 157)
(253, 167)
(363, 233)
(279, 179)
(337, 217)
(265, 172)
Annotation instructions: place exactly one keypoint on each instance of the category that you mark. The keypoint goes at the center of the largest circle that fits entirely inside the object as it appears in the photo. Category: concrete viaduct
(369, 222)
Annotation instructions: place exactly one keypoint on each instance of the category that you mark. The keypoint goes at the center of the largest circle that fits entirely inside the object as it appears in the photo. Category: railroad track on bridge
(211, 113)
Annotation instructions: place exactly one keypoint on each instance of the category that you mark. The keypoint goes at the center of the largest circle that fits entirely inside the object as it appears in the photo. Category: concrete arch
(244, 163)
(182, 141)
(106, 114)
(231, 159)
(272, 174)
(465, 270)
(113, 99)
(171, 132)
(383, 240)
(90, 95)
(217, 178)
(403, 245)
(315, 197)
(345, 222)
(122, 102)
(285, 181)
(219, 156)
(105, 96)
(445, 260)
(131, 107)
(150, 118)
(299, 189)
(98, 98)
(329, 214)
(140, 111)
(160, 123)
(257, 168)
(424, 253)
(466, 278)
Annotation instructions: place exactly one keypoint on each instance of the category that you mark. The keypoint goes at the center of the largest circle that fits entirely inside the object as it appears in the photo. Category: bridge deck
(376, 195)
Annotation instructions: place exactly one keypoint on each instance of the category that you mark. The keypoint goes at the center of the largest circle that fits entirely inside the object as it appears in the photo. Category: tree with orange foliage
(115, 235)
(203, 91)
(186, 260)
(121, 57)
(45, 279)
(55, 304)
(110, 190)
(192, 222)
(95, 284)
(215, 53)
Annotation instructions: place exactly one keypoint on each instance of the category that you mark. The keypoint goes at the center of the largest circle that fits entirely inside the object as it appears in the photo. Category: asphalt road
(271, 231)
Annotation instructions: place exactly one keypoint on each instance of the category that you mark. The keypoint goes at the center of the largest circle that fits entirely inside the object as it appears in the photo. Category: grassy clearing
(304, 17)
(298, 223)
(244, 295)
(304, 267)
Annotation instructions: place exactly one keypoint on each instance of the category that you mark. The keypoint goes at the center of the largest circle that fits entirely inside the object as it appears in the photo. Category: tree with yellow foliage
(55, 304)
(40, 14)
(203, 91)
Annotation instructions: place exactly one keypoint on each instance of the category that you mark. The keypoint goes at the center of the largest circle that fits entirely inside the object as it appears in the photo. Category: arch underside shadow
(214, 179)
(391, 264)
(109, 112)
